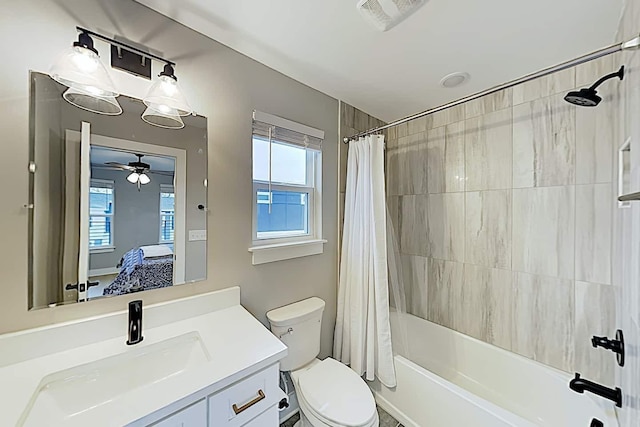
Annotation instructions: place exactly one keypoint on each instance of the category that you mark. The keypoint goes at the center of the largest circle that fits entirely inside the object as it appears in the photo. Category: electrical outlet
(197, 235)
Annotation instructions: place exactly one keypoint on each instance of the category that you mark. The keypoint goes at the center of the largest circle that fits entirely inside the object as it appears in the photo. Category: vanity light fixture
(170, 120)
(165, 96)
(90, 86)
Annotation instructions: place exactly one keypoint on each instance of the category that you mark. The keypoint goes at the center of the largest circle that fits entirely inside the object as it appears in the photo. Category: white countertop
(238, 345)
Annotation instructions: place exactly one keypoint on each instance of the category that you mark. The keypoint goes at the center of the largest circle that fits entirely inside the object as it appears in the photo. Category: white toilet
(329, 393)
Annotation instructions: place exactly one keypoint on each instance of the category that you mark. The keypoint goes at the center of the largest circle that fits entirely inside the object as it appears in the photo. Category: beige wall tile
(413, 225)
(544, 143)
(488, 148)
(485, 309)
(595, 142)
(543, 319)
(445, 146)
(556, 83)
(444, 292)
(594, 226)
(543, 231)
(414, 270)
(488, 228)
(489, 103)
(445, 222)
(448, 116)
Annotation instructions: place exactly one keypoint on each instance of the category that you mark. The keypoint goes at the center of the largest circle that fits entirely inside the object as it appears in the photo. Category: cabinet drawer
(191, 416)
(241, 402)
(270, 418)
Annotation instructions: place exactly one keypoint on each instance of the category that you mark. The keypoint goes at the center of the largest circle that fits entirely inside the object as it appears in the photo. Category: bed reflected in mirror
(117, 205)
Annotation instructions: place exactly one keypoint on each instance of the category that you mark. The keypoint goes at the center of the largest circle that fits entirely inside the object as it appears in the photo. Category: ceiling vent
(386, 14)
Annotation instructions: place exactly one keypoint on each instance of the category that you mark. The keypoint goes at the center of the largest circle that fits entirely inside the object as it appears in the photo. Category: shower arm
(634, 43)
(619, 74)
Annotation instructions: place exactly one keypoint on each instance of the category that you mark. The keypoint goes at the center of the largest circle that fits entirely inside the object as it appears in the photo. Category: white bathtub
(447, 379)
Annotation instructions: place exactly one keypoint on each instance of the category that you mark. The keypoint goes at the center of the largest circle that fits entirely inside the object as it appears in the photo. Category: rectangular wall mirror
(116, 204)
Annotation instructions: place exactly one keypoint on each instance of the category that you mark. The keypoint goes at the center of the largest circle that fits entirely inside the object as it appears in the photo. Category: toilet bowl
(329, 393)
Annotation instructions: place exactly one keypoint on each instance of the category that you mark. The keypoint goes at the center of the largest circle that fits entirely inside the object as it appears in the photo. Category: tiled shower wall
(503, 207)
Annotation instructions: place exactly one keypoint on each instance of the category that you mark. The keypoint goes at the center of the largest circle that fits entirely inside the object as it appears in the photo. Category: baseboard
(394, 411)
(103, 271)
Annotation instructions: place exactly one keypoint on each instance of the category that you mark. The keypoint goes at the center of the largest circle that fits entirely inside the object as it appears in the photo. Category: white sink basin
(63, 395)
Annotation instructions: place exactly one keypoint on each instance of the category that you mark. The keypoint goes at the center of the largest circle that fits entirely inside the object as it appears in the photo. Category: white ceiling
(101, 155)
(328, 46)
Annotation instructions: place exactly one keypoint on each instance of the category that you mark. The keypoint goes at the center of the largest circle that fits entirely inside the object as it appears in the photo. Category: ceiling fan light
(79, 67)
(133, 177)
(144, 179)
(165, 95)
(169, 120)
(107, 105)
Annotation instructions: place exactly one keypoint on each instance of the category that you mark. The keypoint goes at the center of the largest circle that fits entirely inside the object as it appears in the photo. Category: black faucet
(135, 322)
(579, 385)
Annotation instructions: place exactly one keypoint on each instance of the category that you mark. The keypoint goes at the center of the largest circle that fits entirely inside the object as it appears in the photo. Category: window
(101, 211)
(167, 213)
(287, 164)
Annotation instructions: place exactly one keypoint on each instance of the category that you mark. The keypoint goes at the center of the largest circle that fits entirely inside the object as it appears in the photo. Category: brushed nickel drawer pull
(248, 404)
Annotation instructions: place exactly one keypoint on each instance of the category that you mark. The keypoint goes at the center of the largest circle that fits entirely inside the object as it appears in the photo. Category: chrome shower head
(588, 97)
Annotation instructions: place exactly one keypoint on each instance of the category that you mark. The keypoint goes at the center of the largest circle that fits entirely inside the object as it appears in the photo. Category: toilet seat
(336, 395)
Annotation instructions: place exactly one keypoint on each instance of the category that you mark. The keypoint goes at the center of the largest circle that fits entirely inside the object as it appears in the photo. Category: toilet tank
(298, 326)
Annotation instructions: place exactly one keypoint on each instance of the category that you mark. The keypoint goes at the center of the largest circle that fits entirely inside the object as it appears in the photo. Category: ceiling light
(454, 80)
(144, 179)
(165, 96)
(133, 177)
(167, 120)
(80, 69)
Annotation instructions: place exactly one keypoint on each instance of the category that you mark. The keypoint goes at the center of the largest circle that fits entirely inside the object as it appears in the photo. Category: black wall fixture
(616, 345)
(128, 58)
(131, 62)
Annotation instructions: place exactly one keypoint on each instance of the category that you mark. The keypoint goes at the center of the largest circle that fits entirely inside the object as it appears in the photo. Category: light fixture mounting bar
(125, 46)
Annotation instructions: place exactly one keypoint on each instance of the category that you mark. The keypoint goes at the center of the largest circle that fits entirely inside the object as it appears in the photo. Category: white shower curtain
(363, 333)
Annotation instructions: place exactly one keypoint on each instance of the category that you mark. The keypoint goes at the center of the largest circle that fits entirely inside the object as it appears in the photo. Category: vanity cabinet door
(191, 416)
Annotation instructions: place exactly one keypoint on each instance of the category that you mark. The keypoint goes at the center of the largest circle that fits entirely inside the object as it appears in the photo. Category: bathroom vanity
(204, 361)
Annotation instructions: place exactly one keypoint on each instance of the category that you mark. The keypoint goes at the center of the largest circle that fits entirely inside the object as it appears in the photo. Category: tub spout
(580, 385)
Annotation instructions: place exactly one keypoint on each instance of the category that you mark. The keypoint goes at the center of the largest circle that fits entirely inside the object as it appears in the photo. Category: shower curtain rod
(631, 44)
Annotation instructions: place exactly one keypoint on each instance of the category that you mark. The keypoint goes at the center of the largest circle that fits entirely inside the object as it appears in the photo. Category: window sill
(102, 250)
(281, 251)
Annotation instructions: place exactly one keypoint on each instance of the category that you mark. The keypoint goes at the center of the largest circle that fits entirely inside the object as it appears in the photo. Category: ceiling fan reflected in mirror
(139, 171)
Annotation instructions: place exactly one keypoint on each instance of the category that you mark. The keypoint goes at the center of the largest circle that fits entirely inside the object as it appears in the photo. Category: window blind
(276, 128)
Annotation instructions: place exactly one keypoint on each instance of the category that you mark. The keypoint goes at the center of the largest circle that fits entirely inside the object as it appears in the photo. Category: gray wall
(221, 85)
(137, 216)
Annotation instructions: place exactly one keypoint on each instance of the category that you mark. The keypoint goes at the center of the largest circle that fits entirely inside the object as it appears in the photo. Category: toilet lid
(336, 393)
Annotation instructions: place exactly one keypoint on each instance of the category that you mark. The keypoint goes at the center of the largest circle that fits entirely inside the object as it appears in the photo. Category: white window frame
(288, 245)
(111, 246)
(163, 189)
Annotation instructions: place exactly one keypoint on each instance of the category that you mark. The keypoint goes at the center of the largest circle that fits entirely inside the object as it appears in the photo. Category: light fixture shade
(169, 120)
(96, 104)
(81, 69)
(144, 179)
(165, 96)
(133, 177)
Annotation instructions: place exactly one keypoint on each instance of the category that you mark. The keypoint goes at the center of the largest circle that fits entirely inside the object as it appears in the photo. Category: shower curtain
(363, 332)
